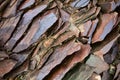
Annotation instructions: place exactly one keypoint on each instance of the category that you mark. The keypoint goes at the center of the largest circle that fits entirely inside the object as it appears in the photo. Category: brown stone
(92, 30)
(24, 67)
(8, 27)
(110, 5)
(85, 27)
(98, 63)
(38, 28)
(11, 9)
(6, 66)
(26, 4)
(102, 48)
(25, 21)
(106, 24)
(68, 63)
(56, 58)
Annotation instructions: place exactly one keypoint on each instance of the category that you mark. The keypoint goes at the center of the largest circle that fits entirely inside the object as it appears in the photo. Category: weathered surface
(24, 67)
(69, 62)
(85, 16)
(105, 46)
(26, 4)
(59, 39)
(7, 28)
(37, 29)
(84, 28)
(64, 15)
(82, 72)
(26, 20)
(112, 54)
(4, 66)
(106, 76)
(11, 9)
(3, 5)
(3, 54)
(117, 71)
(63, 37)
(98, 63)
(56, 58)
(109, 6)
(105, 26)
(95, 77)
(20, 58)
(92, 29)
(80, 3)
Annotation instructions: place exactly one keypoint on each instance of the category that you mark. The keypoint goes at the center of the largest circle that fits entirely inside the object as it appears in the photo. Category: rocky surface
(59, 39)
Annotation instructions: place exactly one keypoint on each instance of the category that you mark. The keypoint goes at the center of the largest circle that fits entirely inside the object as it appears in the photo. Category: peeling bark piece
(98, 63)
(92, 29)
(104, 27)
(59, 72)
(85, 27)
(6, 66)
(8, 27)
(80, 3)
(56, 58)
(95, 77)
(26, 20)
(12, 8)
(37, 29)
(82, 72)
(27, 4)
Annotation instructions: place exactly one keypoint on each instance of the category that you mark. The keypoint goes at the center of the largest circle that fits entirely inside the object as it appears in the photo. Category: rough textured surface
(105, 26)
(99, 64)
(83, 72)
(56, 58)
(4, 66)
(60, 71)
(59, 39)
